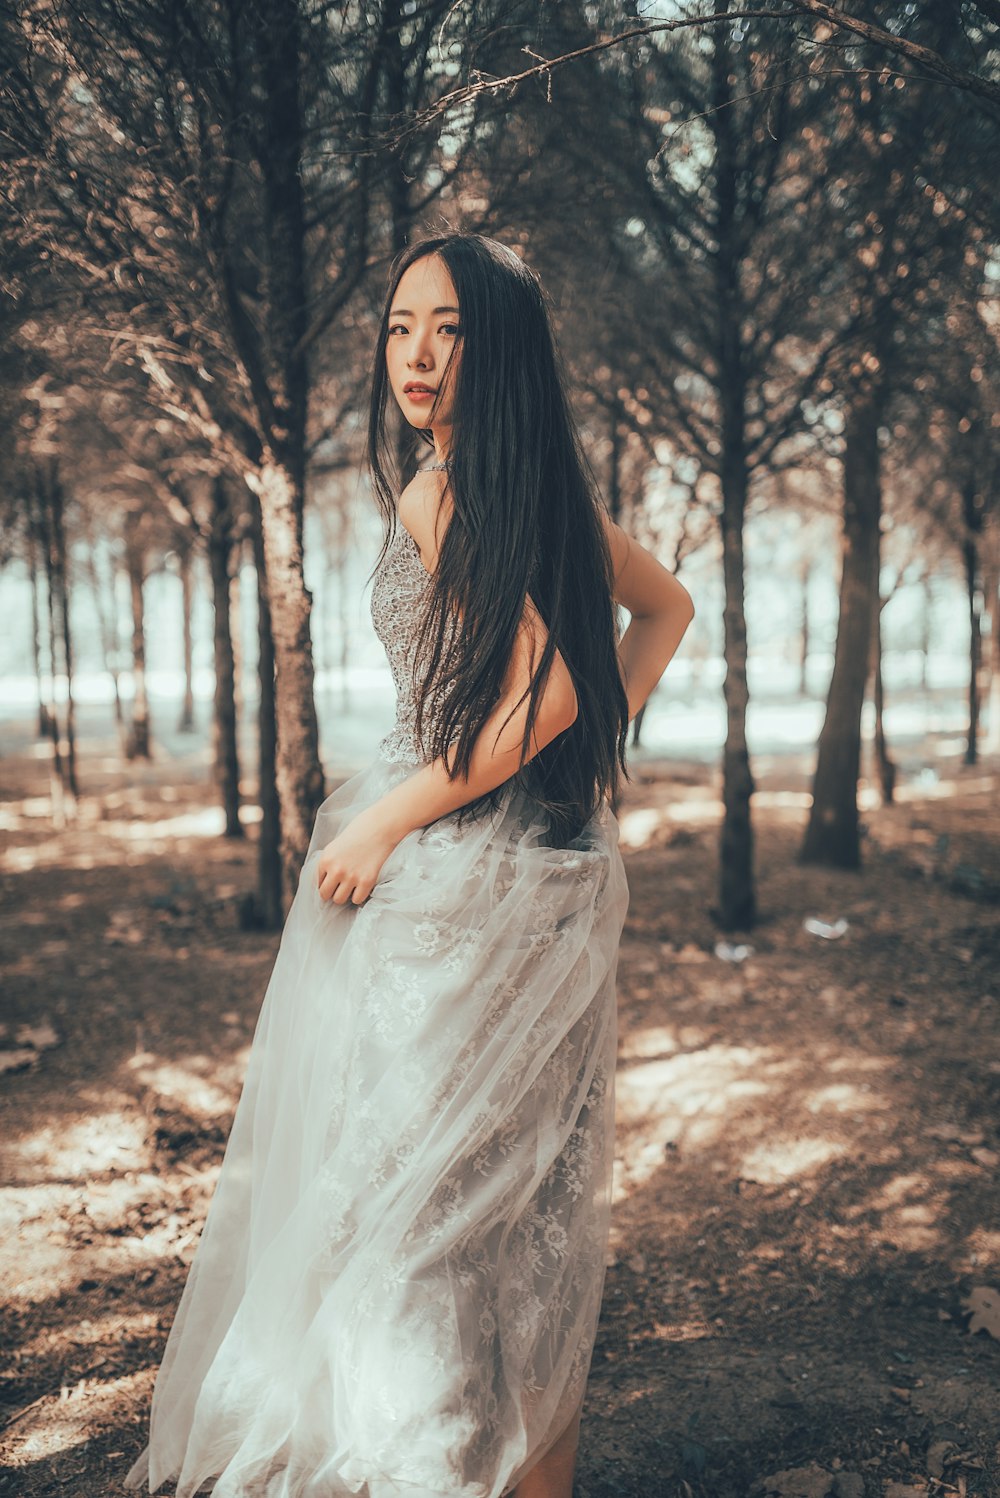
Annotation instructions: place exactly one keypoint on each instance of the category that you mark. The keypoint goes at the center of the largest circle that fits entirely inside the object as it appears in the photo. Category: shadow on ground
(808, 1144)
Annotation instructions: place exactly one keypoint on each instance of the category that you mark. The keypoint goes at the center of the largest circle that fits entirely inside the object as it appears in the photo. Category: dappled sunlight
(116, 824)
(70, 1418)
(782, 1160)
(20, 815)
(695, 1330)
(654, 1040)
(690, 807)
(683, 1097)
(645, 825)
(200, 1084)
(856, 1063)
(93, 1329)
(925, 789)
(62, 1151)
(64, 1234)
(909, 1209)
(50, 1259)
(800, 1161)
(844, 1097)
(54, 854)
(982, 1246)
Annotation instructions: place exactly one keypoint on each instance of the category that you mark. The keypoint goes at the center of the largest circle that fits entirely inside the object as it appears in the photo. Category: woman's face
(423, 343)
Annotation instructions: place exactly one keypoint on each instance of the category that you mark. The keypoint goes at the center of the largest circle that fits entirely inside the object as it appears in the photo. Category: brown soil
(809, 1139)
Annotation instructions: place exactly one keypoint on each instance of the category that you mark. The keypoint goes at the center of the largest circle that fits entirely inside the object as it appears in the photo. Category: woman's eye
(451, 327)
(396, 327)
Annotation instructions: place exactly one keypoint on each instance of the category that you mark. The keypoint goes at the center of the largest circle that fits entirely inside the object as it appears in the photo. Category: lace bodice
(397, 601)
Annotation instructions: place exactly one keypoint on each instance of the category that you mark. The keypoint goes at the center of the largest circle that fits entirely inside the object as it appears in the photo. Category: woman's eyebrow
(402, 312)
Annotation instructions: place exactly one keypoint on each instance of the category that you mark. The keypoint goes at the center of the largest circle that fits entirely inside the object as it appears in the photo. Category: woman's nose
(420, 353)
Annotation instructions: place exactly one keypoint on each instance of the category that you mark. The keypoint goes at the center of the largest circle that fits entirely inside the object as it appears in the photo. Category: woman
(397, 1288)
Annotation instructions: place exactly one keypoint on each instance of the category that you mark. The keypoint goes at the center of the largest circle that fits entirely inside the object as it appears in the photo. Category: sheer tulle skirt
(397, 1288)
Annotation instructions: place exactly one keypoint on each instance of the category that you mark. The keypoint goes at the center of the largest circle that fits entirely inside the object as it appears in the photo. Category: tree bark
(227, 765)
(805, 574)
(57, 778)
(269, 867)
(409, 447)
(833, 833)
(737, 908)
(970, 554)
(185, 558)
(298, 771)
(279, 479)
(991, 694)
(925, 629)
(107, 622)
(36, 628)
(885, 764)
(737, 896)
(61, 572)
(138, 742)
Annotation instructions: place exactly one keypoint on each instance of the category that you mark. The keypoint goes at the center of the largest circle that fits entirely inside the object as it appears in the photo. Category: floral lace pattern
(398, 594)
(398, 1285)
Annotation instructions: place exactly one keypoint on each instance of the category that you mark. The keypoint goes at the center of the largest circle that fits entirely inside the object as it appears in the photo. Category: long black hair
(525, 520)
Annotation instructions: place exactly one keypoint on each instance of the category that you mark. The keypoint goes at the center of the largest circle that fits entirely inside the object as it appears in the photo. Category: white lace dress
(397, 1288)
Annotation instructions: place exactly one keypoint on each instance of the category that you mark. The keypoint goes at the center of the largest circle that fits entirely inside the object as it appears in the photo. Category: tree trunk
(269, 871)
(281, 385)
(833, 834)
(185, 558)
(237, 631)
(737, 897)
(885, 765)
(409, 447)
(57, 779)
(138, 743)
(805, 574)
(299, 774)
(61, 579)
(970, 553)
(36, 629)
(925, 629)
(991, 694)
(107, 621)
(227, 765)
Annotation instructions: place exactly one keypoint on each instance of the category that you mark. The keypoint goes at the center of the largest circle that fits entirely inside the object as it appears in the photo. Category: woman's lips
(420, 395)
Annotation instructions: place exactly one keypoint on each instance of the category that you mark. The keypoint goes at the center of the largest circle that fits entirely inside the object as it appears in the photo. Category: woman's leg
(552, 1476)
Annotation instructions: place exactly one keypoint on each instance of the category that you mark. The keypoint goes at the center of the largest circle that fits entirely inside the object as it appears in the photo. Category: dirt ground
(804, 1293)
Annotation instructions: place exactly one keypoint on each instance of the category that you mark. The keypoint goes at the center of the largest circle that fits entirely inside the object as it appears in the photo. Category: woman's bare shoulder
(424, 508)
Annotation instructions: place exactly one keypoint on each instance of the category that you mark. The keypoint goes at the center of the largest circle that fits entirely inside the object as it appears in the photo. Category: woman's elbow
(563, 709)
(683, 601)
(562, 706)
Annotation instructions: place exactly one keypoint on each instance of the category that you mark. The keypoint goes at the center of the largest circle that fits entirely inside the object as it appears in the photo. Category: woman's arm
(349, 866)
(661, 610)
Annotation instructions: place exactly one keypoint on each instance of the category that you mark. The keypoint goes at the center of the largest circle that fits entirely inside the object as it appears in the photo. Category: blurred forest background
(769, 233)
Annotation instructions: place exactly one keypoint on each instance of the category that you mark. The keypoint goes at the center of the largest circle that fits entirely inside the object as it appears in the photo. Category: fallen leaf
(937, 1457)
(796, 1482)
(983, 1305)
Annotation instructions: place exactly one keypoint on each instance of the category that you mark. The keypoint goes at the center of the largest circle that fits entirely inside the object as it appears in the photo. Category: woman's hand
(349, 866)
